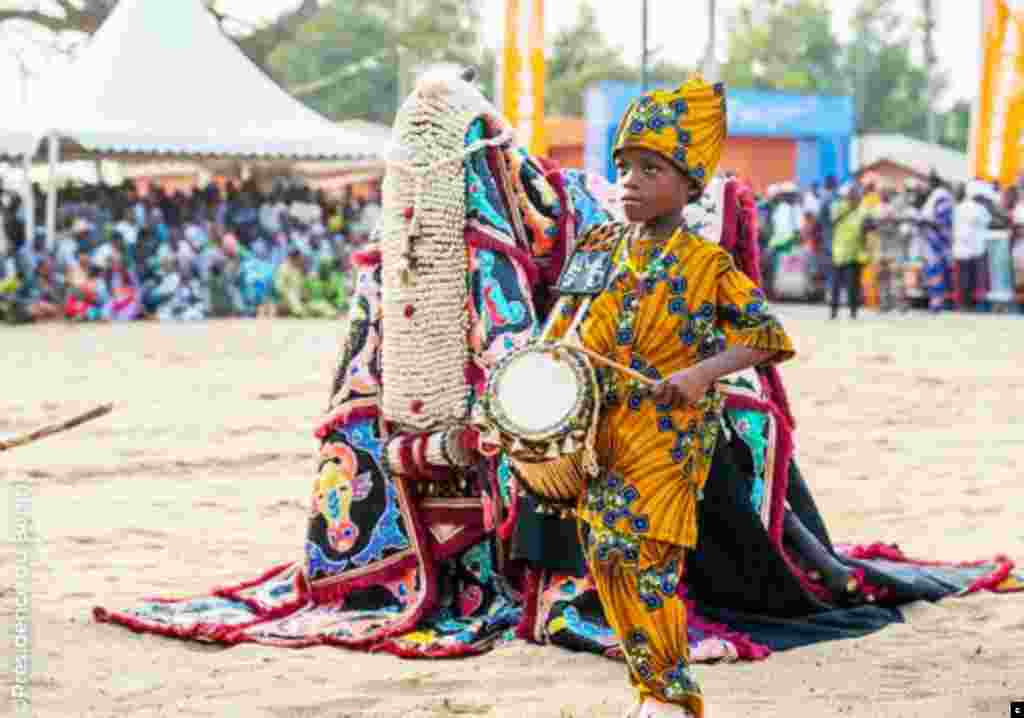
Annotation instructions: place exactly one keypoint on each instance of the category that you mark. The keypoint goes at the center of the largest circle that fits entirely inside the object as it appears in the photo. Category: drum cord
(421, 175)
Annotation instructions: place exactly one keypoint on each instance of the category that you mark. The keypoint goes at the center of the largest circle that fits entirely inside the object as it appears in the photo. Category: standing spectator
(937, 227)
(827, 199)
(848, 252)
(970, 223)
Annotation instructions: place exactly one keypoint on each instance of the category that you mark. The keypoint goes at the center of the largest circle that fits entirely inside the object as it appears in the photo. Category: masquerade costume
(416, 545)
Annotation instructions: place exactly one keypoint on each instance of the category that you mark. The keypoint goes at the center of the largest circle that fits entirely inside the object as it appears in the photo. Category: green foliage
(346, 61)
(955, 126)
(580, 55)
(789, 45)
(784, 45)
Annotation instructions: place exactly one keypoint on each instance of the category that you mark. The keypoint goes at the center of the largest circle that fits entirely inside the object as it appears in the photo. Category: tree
(347, 60)
(955, 126)
(581, 55)
(783, 45)
(83, 17)
(892, 91)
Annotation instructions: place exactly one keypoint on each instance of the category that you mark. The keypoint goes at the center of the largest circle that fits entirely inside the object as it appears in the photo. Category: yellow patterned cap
(687, 126)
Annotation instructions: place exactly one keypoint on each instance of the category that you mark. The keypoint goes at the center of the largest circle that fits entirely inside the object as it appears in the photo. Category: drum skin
(546, 451)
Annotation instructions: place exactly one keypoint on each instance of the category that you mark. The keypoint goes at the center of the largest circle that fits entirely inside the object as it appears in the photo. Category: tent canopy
(159, 77)
(916, 156)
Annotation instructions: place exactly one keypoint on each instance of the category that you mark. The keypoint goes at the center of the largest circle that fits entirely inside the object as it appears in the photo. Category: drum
(540, 406)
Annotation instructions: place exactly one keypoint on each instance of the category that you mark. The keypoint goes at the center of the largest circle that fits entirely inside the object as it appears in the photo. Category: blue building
(773, 136)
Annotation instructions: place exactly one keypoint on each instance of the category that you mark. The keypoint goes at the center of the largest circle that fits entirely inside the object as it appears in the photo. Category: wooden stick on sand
(50, 429)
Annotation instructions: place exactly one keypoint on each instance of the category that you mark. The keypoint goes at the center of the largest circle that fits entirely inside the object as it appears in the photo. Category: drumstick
(613, 364)
(51, 429)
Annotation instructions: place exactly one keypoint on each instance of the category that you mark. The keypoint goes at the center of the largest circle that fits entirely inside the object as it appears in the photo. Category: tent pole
(29, 199)
(51, 198)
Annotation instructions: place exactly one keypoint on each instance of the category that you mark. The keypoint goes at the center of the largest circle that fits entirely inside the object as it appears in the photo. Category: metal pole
(51, 199)
(710, 63)
(643, 52)
(930, 60)
(29, 198)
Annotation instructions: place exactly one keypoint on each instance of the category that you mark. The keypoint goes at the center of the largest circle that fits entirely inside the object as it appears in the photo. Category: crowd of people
(235, 252)
(928, 243)
(232, 252)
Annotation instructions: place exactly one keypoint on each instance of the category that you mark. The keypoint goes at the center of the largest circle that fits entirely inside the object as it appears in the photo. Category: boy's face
(652, 187)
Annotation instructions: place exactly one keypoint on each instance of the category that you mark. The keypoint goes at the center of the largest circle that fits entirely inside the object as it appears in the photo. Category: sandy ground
(910, 432)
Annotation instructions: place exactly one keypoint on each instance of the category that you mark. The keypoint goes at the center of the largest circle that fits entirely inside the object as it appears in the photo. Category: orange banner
(523, 68)
(998, 114)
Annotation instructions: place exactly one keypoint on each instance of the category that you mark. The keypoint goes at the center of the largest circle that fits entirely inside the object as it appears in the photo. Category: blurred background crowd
(921, 244)
(231, 252)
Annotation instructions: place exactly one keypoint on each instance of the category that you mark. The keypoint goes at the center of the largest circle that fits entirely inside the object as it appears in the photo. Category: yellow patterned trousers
(637, 581)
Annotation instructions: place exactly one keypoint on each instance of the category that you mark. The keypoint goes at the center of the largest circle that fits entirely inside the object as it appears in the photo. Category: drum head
(535, 394)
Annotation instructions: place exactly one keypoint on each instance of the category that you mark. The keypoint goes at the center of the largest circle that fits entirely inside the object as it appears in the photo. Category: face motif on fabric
(338, 486)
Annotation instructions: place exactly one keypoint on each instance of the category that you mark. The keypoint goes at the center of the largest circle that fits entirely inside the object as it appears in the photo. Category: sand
(910, 431)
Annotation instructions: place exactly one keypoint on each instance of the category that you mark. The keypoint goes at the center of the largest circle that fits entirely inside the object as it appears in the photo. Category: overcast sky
(677, 27)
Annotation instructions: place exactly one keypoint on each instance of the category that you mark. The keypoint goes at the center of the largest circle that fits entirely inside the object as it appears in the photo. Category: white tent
(160, 77)
(912, 155)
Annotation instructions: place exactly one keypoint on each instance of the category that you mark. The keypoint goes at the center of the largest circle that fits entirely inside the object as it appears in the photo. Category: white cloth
(811, 204)
(970, 227)
(270, 217)
(127, 230)
(306, 212)
(785, 222)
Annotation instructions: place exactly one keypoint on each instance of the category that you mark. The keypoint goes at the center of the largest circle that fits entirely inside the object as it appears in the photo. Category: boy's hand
(686, 387)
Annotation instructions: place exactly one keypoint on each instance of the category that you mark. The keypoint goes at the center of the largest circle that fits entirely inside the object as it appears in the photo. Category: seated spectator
(125, 293)
(42, 295)
(10, 283)
(87, 294)
(322, 296)
(257, 279)
(161, 287)
(288, 284)
(187, 302)
(223, 297)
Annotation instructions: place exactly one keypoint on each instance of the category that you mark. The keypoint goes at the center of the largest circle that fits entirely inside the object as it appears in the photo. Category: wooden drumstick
(51, 429)
(613, 364)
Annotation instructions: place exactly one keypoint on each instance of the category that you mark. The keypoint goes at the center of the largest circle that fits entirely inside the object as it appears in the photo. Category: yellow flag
(998, 113)
(522, 72)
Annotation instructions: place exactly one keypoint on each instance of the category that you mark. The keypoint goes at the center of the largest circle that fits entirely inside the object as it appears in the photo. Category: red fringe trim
(367, 258)
(337, 591)
(455, 651)
(509, 524)
(890, 552)
(343, 417)
(746, 648)
(566, 221)
(532, 587)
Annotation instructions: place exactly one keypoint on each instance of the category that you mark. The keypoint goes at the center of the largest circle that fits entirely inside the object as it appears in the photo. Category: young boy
(675, 308)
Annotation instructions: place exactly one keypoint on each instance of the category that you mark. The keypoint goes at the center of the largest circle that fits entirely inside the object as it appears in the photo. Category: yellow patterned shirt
(665, 309)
